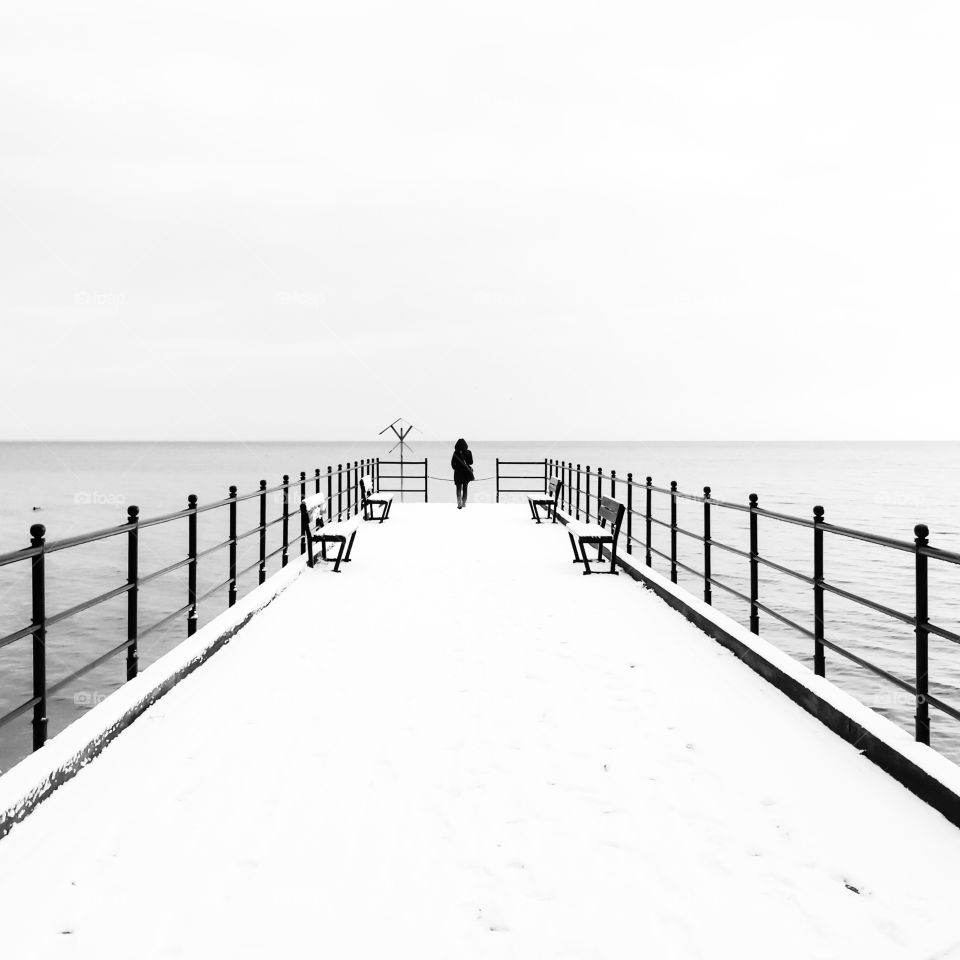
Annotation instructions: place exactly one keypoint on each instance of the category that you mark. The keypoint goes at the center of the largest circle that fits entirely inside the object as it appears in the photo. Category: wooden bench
(318, 531)
(605, 532)
(536, 500)
(368, 502)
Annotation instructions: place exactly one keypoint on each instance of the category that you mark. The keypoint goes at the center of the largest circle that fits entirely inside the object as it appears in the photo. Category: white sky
(504, 220)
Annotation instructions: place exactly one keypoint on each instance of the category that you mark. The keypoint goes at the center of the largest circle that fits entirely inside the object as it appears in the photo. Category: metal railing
(414, 471)
(341, 486)
(538, 477)
(583, 487)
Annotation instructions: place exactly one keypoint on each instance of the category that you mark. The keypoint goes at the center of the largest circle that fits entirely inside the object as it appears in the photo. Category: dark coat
(460, 472)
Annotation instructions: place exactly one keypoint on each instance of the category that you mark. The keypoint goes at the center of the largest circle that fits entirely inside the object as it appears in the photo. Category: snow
(34, 777)
(461, 747)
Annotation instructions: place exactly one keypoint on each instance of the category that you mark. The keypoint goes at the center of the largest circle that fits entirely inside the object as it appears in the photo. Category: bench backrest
(313, 509)
(554, 486)
(366, 488)
(611, 515)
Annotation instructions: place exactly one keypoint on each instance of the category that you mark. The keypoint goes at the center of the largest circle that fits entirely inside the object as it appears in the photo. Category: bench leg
(346, 558)
(573, 543)
(336, 564)
(536, 512)
(586, 562)
(310, 560)
(613, 560)
(554, 512)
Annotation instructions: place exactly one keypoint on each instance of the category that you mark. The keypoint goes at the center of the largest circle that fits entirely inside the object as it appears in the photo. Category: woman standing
(462, 463)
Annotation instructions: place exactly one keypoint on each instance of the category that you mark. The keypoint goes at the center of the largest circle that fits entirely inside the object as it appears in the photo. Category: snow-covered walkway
(460, 747)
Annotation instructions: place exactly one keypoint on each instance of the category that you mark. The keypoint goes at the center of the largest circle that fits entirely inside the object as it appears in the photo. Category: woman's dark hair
(461, 445)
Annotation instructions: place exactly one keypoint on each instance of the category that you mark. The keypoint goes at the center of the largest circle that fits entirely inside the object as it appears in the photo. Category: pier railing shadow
(583, 487)
(341, 484)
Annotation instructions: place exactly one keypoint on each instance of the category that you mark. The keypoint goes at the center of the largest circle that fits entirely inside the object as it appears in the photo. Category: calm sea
(881, 487)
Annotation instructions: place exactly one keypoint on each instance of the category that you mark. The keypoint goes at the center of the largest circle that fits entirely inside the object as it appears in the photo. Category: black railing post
(329, 493)
(426, 481)
(673, 531)
(348, 489)
(649, 521)
(569, 490)
(630, 513)
(754, 568)
(578, 492)
(232, 589)
(599, 490)
(192, 565)
(498, 480)
(377, 477)
(587, 494)
(356, 490)
(613, 484)
(316, 482)
(545, 474)
(707, 573)
(262, 573)
(819, 660)
(303, 528)
(133, 587)
(285, 525)
(339, 490)
(39, 583)
(922, 532)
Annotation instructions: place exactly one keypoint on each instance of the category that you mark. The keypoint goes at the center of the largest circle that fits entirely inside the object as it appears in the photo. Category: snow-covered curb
(920, 768)
(35, 777)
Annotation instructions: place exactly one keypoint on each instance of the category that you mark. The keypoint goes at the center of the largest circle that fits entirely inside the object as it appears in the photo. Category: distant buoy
(38, 508)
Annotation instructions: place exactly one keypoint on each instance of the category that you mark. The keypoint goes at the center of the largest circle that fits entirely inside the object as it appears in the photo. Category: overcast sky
(505, 220)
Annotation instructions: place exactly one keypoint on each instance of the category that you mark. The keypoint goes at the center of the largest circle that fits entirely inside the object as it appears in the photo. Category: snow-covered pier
(460, 747)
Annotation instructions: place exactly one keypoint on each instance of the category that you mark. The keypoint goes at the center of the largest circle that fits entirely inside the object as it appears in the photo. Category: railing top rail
(24, 553)
(52, 546)
(893, 543)
(939, 554)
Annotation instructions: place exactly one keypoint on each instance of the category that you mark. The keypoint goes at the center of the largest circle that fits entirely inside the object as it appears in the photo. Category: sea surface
(885, 488)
